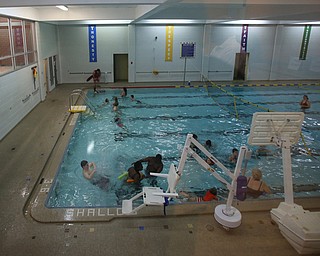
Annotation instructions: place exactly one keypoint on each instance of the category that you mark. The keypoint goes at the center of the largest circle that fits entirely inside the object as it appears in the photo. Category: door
(51, 72)
(240, 66)
(55, 76)
(120, 67)
(45, 75)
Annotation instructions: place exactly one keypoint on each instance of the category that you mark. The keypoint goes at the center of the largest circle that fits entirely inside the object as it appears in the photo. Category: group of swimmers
(255, 185)
(134, 173)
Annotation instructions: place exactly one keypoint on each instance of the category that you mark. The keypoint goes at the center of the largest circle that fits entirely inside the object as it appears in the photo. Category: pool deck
(25, 153)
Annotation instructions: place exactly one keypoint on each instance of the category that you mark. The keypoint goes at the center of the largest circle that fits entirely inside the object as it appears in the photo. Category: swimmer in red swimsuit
(210, 195)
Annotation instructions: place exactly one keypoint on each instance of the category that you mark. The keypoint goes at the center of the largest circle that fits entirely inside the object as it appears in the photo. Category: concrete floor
(24, 152)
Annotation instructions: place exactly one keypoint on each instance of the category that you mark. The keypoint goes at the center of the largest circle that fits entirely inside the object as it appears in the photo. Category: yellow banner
(169, 43)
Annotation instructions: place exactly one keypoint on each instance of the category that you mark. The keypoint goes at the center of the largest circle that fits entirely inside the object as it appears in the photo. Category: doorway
(50, 73)
(240, 66)
(120, 69)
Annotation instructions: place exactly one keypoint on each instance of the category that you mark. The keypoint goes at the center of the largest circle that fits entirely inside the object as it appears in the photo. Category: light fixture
(62, 7)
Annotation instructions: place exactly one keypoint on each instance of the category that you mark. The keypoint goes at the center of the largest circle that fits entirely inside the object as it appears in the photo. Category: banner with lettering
(169, 43)
(244, 38)
(92, 43)
(305, 42)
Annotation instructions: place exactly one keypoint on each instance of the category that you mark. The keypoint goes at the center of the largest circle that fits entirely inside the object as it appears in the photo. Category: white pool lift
(300, 227)
(227, 215)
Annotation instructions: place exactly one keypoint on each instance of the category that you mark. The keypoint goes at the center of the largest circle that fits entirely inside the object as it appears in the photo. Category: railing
(74, 97)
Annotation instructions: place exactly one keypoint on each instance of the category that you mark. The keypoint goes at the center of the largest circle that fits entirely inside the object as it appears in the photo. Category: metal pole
(185, 70)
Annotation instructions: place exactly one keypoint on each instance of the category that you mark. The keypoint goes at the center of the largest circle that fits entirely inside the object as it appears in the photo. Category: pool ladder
(87, 106)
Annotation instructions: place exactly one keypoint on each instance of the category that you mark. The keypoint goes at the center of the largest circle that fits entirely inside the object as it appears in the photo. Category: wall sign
(92, 43)
(188, 49)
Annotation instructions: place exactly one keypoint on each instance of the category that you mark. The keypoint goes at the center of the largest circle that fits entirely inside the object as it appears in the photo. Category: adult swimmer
(90, 173)
(154, 164)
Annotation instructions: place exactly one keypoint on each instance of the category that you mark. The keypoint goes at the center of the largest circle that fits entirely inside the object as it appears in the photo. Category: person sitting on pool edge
(134, 173)
(255, 186)
(89, 172)
(211, 194)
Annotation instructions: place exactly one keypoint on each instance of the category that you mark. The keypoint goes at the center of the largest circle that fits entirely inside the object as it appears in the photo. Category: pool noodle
(122, 175)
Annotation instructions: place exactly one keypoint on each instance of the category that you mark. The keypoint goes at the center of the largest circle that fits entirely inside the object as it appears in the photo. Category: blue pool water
(160, 125)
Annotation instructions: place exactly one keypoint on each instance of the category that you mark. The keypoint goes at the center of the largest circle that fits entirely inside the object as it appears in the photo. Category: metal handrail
(79, 93)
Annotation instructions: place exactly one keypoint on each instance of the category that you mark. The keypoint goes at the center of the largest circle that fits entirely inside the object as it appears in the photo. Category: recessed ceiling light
(62, 7)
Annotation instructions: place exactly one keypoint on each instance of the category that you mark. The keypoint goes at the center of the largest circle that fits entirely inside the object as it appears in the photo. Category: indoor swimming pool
(158, 121)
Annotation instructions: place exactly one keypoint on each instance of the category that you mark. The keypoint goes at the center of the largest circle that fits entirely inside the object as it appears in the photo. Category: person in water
(124, 92)
(255, 186)
(305, 103)
(234, 156)
(115, 104)
(134, 99)
(154, 164)
(210, 194)
(134, 173)
(118, 121)
(89, 171)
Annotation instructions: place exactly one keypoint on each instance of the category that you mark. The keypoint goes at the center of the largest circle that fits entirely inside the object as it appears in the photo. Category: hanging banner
(244, 38)
(92, 43)
(18, 37)
(169, 43)
(305, 42)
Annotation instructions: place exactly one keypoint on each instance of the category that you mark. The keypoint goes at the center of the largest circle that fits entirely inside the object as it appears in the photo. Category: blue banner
(244, 38)
(92, 43)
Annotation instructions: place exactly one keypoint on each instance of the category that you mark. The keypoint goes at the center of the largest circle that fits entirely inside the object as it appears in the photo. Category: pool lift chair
(86, 107)
(300, 227)
(227, 215)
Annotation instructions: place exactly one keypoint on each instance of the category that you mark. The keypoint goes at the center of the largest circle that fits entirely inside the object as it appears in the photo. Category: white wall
(260, 47)
(74, 51)
(48, 39)
(18, 94)
(145, 53)
(47, 47)
(225, 43)
(17, 98)
(286, 63)
(273, 52)
(150, 53)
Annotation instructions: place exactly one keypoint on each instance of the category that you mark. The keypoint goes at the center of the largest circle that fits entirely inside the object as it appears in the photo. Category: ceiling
(166, 12)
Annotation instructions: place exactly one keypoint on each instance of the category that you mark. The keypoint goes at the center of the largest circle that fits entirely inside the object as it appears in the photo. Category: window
(17, 44)
(30, 42)
(6, 64)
